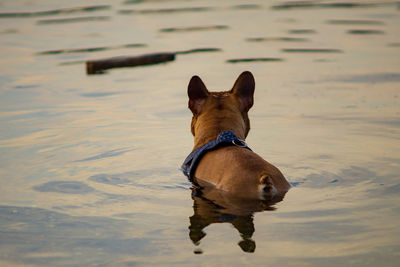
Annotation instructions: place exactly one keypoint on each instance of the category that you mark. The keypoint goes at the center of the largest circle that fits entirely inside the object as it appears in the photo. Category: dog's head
(221, 111)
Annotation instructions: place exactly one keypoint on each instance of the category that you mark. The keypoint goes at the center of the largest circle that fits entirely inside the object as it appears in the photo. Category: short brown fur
(234, 169)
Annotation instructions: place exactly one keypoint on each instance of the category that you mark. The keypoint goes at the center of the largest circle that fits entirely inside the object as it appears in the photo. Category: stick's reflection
(211, 205)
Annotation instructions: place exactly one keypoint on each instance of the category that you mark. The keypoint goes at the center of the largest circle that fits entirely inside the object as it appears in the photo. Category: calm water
(89, 163)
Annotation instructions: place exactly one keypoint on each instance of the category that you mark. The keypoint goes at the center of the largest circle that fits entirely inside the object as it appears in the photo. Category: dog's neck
(214, 126)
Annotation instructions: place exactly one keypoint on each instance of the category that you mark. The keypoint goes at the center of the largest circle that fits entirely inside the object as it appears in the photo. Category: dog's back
(241, 172)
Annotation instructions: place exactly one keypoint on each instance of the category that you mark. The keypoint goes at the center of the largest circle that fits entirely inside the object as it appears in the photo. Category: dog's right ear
(197, 93)
(244, 90)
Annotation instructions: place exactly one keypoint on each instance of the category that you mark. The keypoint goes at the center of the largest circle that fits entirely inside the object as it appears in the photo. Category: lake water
(89, 164)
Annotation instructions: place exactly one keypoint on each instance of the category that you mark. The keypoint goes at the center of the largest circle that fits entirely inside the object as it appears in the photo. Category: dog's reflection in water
(215, 206)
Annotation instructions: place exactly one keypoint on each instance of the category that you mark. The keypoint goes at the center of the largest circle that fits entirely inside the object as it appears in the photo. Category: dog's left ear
(244, 90)
(197, 93)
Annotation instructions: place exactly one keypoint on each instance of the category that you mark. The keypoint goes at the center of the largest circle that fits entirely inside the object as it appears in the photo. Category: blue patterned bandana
(225, 138)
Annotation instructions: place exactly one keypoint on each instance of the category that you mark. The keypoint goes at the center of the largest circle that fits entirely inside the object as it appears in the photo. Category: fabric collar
(225, 138)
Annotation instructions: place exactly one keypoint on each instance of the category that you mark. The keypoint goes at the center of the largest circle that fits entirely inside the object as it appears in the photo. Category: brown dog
(231, 168)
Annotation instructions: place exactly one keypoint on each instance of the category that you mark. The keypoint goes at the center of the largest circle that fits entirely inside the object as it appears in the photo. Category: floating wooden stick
(99, 66)
(258, 59)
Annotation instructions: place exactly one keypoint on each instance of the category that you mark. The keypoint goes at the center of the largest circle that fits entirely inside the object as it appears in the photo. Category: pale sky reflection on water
(89, 164)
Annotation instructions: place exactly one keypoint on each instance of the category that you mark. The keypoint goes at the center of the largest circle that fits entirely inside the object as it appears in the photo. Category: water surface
(89, 163)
